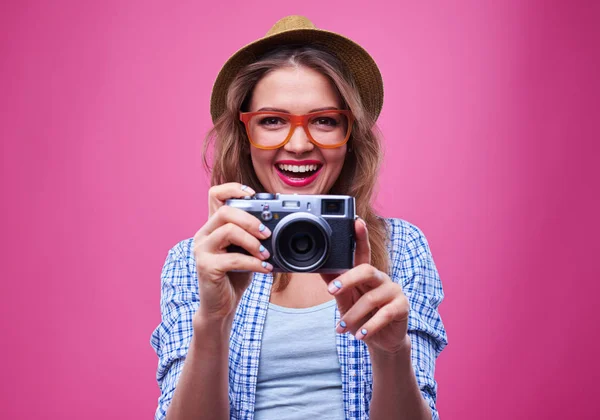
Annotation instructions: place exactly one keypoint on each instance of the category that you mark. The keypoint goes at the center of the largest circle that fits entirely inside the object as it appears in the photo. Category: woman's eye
(325, 121)
(271, 121)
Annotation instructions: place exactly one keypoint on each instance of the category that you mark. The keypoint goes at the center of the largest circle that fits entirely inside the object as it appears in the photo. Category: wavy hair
(231, 158)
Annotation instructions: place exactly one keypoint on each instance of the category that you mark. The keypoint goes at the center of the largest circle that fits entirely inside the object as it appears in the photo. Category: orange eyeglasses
(270, 130)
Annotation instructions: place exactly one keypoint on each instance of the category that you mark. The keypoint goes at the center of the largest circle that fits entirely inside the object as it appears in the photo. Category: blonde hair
(359, 173)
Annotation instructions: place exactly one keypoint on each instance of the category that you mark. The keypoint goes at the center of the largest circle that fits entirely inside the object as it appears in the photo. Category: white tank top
(299, 370)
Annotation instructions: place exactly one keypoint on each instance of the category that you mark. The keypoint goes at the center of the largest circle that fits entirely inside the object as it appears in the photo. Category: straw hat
(300, 30)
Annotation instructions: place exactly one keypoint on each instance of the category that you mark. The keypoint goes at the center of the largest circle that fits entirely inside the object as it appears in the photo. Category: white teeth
(298, 168)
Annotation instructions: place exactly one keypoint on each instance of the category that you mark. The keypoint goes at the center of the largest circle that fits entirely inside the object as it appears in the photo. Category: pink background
(491, 121)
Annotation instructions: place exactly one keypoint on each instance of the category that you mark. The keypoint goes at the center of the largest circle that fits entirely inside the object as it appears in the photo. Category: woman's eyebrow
(326, 108)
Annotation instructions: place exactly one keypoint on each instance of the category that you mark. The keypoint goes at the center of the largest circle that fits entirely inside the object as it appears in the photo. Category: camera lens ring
(318, 222)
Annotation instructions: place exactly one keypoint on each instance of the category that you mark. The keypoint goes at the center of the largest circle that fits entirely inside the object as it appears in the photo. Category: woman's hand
(220, 287)
(372, 306)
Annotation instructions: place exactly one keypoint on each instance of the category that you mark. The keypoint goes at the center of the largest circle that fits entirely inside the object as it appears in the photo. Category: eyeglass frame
(297, 120)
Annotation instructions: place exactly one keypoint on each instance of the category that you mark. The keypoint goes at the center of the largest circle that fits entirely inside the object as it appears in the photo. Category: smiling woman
(298, 79)
(295, 113)
(297, 90)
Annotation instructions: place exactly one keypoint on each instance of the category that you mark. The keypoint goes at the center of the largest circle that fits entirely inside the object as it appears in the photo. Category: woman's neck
(303, 291)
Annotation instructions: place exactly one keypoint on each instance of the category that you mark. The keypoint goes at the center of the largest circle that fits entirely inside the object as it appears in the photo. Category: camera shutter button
(264, 196)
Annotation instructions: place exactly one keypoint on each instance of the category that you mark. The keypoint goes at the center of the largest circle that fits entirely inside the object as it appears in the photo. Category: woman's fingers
(217, 265)
(236, 216)
(366, 312)
(348, 287)
(232, 234)
(218, 194)
(373, 310)
(395, 311)
(240, 262)
(362, 275)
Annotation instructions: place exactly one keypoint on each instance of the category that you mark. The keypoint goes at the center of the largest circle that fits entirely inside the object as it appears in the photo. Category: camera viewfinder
(332, 207)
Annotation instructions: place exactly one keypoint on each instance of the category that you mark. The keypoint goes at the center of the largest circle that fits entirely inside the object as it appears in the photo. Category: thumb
(363, 247)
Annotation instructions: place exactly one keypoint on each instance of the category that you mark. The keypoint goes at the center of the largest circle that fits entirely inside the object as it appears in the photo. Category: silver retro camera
(310, 233)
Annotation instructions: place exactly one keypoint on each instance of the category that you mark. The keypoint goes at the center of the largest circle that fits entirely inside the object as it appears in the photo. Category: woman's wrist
(211, 329)
(401, 353)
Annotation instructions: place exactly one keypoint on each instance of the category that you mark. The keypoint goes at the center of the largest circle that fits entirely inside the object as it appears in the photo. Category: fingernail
(362, 220)
(267, 265)
(334, 286)
(247, 189)
(341, 327)
(265, 230)
(264, 251)
(361, 334)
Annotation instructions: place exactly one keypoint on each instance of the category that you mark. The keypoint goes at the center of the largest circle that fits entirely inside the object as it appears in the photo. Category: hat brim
(358, 61)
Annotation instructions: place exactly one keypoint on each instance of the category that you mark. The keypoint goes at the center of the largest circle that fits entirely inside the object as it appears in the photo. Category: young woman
(294, 112)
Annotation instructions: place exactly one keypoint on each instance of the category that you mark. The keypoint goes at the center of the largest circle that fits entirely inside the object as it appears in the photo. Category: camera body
(310, 233)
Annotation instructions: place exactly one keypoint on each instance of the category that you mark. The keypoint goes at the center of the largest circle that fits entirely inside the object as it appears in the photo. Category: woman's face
(291, 168)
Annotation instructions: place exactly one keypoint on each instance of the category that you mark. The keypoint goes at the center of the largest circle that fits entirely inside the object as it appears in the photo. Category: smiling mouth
(298, 176)
(298, 171)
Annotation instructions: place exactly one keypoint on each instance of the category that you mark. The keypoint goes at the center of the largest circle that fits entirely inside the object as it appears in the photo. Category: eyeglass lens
(328, 128)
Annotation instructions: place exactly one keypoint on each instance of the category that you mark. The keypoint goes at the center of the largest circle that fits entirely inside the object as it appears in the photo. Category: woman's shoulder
(406, 242)
(401, 231)
(410, 253)
(183, 251)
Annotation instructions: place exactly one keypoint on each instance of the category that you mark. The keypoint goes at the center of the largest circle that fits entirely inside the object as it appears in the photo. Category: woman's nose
(299, 143)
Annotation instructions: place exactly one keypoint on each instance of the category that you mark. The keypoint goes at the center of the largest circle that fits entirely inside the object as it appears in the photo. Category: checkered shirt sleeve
(178, 303)
(414, 269)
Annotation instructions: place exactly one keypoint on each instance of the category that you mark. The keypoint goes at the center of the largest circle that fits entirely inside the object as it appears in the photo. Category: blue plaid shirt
(411, 265)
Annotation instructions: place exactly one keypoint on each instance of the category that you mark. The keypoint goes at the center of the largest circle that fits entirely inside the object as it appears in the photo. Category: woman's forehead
(295, 89)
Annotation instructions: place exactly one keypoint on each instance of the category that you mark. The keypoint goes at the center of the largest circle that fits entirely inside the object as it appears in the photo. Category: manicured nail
(265, 230)
(341, 327)
(264, 251)
(334, 286)
(267, 265)
(248, 189)
(361, 334)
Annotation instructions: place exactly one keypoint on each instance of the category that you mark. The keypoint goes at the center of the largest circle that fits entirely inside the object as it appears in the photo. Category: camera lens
(301, 242)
